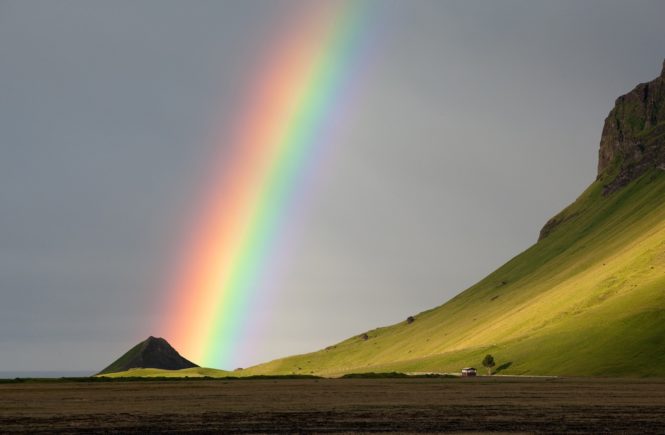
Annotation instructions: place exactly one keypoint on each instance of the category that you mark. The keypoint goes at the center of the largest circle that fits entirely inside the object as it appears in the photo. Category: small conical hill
(152, 353)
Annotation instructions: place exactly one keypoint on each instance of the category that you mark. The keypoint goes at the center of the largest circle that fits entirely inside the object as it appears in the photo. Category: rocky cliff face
(632, 142)
(633, 138)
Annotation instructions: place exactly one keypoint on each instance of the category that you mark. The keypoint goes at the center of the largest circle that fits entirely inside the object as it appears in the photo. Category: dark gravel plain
(498, 404)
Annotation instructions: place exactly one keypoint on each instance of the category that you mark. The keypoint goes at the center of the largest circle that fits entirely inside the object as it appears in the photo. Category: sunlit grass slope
(589, 299)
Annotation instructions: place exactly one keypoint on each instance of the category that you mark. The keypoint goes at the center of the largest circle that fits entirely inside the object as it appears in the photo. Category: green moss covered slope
(587, 299)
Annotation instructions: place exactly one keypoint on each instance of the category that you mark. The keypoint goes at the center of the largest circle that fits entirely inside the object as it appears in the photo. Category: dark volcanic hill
(154, 353)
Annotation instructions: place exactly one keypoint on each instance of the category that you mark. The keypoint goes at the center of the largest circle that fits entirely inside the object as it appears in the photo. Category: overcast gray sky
(477, 121)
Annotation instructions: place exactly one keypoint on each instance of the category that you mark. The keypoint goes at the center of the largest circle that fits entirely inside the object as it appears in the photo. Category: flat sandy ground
(338, 405)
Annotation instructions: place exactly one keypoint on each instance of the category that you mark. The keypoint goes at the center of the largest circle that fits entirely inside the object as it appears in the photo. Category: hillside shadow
(503, 367)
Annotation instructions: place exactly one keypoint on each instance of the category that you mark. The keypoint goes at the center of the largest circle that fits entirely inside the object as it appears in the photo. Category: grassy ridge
(589, 299)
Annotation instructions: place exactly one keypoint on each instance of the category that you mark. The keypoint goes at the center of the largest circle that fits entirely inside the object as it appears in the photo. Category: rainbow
(302, 89)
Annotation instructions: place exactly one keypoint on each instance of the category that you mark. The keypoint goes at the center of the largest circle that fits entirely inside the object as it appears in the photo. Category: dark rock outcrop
(633, 138)
(154, 353)
(553, 223)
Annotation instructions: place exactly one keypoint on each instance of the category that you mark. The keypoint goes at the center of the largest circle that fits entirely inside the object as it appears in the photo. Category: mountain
(154, 353)
(587, 299)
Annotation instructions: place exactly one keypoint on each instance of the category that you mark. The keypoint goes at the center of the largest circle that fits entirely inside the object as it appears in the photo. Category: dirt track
(341, 405)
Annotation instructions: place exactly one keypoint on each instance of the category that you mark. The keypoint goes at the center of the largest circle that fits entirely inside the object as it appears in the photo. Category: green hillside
(587, 299)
